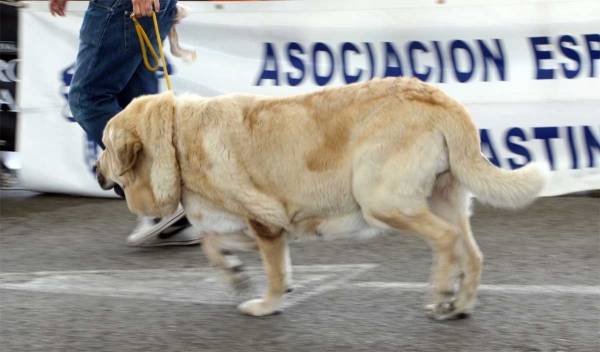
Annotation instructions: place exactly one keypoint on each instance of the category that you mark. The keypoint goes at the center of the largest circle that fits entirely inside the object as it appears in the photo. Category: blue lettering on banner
(563, 48)
(462, 76)
(486, 145)
(266, 73)
(541, 55)
(371, 59)
(67, 77)
(497, 58)
(412, 47)
(322, 60)
(393, 66)
(592, 145)
(593, 47)
(349, 47)
(574, 157)
(547, 134)
(516, 148)
(295, 61)
(552, 139)
(483, 60)
(571, 54)
(440, 60)
(329, 62)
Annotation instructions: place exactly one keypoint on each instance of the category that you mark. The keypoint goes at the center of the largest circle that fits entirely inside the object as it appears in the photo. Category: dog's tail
(495, 186)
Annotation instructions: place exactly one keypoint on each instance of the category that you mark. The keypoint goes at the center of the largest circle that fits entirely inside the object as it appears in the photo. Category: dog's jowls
(251, 172)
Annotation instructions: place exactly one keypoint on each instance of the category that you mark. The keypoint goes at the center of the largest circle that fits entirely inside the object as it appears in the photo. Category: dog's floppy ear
(165, 176)
(127, 155)
(125, 147)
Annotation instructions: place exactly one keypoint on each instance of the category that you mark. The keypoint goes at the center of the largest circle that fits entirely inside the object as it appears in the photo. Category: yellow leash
(144, 38)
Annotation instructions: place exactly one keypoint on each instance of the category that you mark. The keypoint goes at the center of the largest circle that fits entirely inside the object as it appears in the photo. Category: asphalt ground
(68, 282)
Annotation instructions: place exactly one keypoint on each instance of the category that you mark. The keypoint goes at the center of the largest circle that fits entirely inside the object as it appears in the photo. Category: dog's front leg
(218, 247)
(272, 243)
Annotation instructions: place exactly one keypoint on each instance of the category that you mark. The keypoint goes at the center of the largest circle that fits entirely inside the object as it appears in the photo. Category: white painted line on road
(197, 285)
(204, 286)
(296, 268)
(340, 281)
(514, 289)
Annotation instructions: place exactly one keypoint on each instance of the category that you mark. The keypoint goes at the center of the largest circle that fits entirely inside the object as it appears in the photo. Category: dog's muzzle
(102, 182)
(101, 179)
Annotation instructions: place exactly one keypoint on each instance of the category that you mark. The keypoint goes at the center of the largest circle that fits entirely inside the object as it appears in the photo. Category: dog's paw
(258, 308)
(444, 311)
(188, 55)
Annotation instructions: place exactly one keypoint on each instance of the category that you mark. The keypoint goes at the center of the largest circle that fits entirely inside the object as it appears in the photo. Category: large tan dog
(386, 155)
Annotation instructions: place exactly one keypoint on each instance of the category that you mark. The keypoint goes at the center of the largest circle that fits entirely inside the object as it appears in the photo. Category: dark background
(8, 51)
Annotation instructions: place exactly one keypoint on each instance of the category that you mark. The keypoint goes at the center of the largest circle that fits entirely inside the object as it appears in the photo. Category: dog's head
(140, 160)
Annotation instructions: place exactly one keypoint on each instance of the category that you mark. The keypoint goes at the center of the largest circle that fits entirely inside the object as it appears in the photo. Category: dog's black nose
(94, 168)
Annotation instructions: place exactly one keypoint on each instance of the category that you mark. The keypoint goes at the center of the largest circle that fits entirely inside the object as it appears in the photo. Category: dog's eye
(119, 191)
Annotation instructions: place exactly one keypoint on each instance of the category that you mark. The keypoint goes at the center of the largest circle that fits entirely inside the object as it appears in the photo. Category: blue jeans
(109, 69)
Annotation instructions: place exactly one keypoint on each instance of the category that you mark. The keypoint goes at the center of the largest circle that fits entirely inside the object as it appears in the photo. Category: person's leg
(102, 69)
(109, 63)
(175, 229)
(142, 82)
(109, 73)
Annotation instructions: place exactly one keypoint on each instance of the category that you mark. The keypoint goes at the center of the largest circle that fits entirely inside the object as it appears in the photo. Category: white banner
(527, 70)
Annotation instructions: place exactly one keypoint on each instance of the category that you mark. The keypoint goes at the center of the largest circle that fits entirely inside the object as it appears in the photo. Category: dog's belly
(347, 226)
(351, 225)
(217, 222)
(209, 220)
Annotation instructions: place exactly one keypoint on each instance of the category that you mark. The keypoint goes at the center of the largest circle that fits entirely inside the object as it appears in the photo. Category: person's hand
(143, 8)
(58, 7)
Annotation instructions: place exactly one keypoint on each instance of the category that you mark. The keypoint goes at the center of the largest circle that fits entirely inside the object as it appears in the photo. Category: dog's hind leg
(411, 214)
(443, 238)
(450, 201)
(392, 188)
(471, 267)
